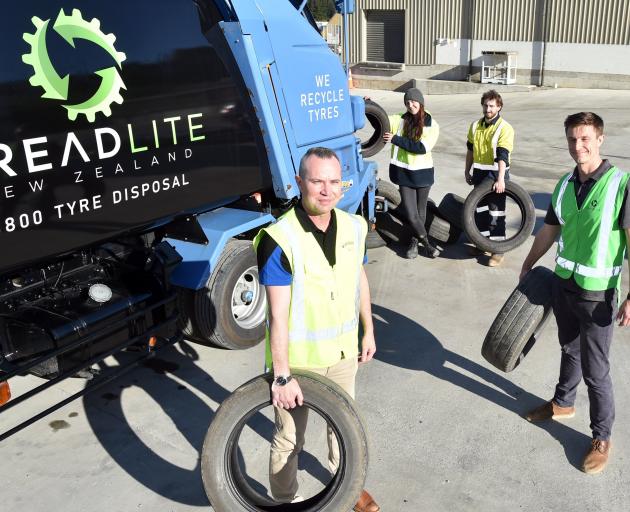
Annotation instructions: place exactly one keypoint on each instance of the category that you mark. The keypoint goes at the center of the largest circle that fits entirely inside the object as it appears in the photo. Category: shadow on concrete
(406, 344)
(541, 202)
(189, 414)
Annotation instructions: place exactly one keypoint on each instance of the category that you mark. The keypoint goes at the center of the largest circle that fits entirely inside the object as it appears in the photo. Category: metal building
(583, 43)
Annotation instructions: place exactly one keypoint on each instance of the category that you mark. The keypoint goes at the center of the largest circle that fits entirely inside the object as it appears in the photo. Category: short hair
(319, 152)
(492, 95)
(584, 119)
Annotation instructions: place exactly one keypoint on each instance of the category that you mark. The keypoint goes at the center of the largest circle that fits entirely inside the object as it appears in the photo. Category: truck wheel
(451, 208)
(528, 217)
(226, 485)
(230, 310)
(377, 117)
(520, 320)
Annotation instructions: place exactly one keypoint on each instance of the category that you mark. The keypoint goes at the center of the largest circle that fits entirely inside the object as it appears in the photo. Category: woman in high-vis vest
(589, 216)
(413, 135)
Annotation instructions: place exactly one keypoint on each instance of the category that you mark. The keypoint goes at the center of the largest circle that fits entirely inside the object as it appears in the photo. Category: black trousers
(585, 331)
(414, 207)
(490, 214)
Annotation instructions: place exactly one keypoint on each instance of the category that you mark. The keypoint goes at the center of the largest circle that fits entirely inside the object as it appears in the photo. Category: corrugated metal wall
(565, 21)
(589, 21)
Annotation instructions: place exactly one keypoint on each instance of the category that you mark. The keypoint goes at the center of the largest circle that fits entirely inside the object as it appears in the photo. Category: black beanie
(414, 95)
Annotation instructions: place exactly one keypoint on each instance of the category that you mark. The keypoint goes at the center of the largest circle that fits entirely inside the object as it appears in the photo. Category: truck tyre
(226, 486)
(520, 320)
(528, 217)
(377, 117)
(451, 208)
(230, 309)
(442, 230)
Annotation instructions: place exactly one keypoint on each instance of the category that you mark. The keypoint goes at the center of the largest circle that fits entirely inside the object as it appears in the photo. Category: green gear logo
(56, 87)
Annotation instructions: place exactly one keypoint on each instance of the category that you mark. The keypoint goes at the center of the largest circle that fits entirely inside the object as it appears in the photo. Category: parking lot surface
(446, 428)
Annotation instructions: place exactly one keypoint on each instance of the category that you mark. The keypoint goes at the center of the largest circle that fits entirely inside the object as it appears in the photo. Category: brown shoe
(473, 250)
(495, 260)
(366, 503)
(597, 457)
(550, 411)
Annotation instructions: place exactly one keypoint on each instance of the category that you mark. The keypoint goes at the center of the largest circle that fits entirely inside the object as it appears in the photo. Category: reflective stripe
(326, 334)
(605, 226)
(496, 213)
(410, 167)
(495, 139)
(482, 209)
(497, 238)
(487, 167)
(560, 244)
(297, 307)
(558, 206)
(586, 271)
(485, 233)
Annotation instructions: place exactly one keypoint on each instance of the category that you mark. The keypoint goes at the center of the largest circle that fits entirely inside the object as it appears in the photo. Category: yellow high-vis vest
(414, 161)
(486, 140)
(324, 308)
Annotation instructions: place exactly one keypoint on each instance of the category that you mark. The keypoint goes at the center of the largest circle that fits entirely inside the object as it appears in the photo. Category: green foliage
(322, 10)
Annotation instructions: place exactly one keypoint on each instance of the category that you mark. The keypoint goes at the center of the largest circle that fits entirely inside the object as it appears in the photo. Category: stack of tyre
(444, 222)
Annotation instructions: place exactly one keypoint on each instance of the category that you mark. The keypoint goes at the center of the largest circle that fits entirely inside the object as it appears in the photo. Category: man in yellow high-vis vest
(490, 143)
(311, 264)
(589, 215)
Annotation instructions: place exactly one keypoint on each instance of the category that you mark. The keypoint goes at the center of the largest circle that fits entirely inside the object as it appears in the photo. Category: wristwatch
(282, 380)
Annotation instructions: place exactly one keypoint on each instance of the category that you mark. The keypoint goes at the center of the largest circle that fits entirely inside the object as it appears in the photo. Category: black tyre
(378, 119)
(528, 217)
(226, 486)
(388, 223)
(230, 310)
(452, 208)
(520, 321)
(442, 230)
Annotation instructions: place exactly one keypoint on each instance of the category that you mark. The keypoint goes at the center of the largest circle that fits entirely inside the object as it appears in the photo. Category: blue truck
(142, 146)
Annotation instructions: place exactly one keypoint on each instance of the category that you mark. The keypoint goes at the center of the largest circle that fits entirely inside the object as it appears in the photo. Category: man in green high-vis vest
(589, 216)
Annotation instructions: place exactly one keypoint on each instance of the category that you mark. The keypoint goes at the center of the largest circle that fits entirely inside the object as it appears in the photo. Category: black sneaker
(412, 250)
(429, 250)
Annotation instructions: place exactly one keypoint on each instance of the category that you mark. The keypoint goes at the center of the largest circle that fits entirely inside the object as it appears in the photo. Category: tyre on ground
(229, 311)
(520, 321)
(451, 208)
(389, 225)
(441, 229)
(378, 119)
(228, 488)
(528, 217)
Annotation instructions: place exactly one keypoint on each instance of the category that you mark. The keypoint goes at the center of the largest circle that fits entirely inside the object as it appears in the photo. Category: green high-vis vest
(592, 244)
(324, 308)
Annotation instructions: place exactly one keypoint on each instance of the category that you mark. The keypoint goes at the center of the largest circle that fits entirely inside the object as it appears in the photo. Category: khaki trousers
(288, 438)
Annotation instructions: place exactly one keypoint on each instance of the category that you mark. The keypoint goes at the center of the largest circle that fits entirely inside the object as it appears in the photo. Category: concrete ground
(446, 428)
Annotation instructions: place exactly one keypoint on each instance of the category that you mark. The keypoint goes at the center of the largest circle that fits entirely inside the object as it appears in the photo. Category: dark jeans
(585, 330)
(414, 207)
(490, 214)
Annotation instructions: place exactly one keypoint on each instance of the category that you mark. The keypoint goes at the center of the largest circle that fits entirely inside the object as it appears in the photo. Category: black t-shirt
(326, 240)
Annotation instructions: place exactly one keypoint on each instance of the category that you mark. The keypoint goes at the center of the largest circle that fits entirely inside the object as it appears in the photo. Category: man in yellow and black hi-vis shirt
(490, 143)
